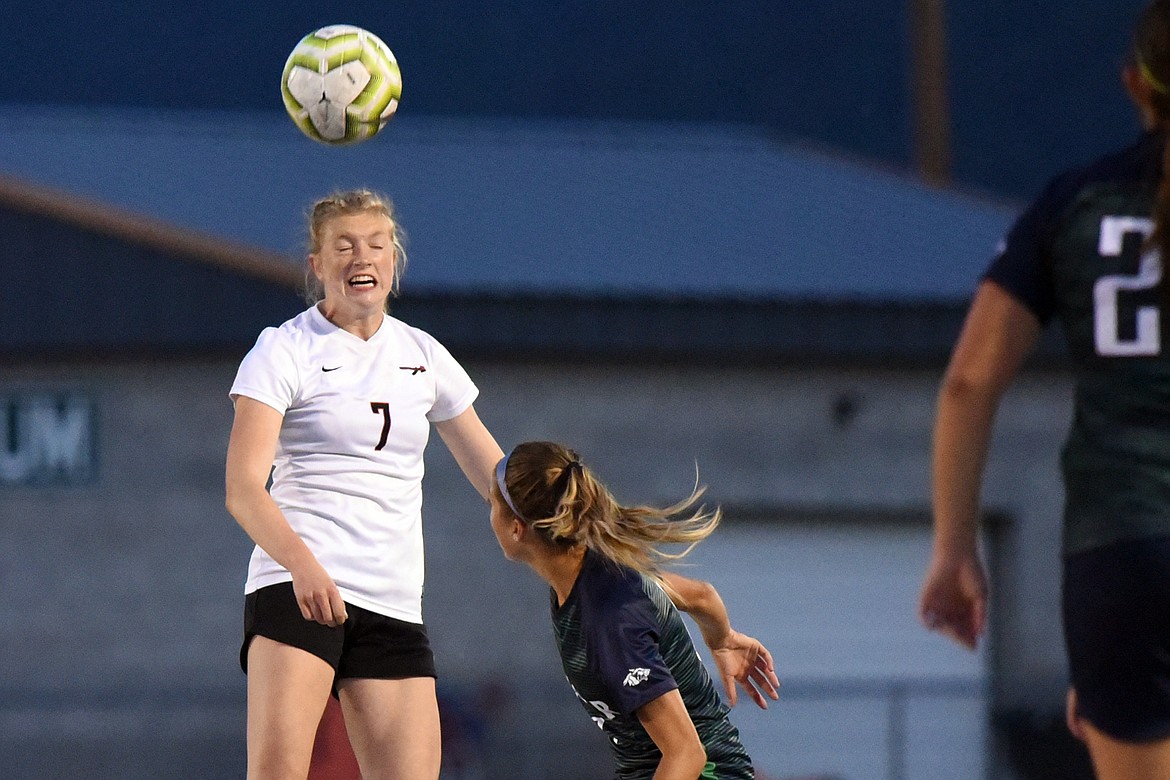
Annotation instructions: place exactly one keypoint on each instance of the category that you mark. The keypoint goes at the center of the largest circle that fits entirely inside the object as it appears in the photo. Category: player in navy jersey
(623, 644)
(337, 405)
(1087, 253)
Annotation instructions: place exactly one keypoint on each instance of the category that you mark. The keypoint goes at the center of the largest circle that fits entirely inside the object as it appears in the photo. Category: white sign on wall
(47, 439)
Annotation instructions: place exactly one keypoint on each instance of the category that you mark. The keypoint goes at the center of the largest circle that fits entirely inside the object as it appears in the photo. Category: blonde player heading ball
(340, 400)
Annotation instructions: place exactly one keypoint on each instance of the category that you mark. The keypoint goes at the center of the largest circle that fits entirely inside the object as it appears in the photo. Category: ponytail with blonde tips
(548, 488)
(1151, 53)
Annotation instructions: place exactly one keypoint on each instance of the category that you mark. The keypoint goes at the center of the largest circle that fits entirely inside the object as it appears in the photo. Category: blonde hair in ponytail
(552, 491)
(1151, 54)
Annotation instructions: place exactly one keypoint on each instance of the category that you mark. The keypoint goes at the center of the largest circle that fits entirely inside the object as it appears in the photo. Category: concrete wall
(120, 607)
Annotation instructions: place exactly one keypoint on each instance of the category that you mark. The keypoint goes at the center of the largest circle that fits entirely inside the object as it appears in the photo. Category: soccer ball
(341, 84)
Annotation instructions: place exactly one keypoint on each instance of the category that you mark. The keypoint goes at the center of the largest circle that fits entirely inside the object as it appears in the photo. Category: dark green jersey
(1079, 254)
(623, 644)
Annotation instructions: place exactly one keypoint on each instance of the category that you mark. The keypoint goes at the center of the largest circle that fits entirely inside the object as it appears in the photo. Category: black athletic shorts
(367, 646)
(1116, 605)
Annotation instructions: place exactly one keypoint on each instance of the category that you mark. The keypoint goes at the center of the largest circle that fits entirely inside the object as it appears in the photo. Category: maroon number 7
(383, 408)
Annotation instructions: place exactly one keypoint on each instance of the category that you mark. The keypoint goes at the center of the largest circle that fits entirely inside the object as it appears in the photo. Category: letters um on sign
(47, 439)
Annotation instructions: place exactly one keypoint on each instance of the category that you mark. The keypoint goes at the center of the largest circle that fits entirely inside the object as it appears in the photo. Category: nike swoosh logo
(330, 369)
(414, 369)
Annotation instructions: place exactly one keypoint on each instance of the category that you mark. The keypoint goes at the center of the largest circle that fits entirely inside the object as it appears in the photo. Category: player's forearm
(703, 603)
(997, 337)
(473, 447)
(681, 765)
(265, 524)
(962, 435)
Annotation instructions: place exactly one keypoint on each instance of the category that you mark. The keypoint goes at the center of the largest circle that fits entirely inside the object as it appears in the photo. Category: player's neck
(560, 570)
(362, 322)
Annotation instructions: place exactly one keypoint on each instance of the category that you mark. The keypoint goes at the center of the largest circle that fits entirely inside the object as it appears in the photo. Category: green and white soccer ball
(341, 84)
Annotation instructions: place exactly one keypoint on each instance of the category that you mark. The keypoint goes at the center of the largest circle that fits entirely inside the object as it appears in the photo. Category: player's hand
(743, 659)
(318, 596)
(954, 598)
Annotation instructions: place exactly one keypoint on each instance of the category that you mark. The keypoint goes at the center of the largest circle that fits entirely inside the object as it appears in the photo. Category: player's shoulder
(610, 587)
(286, 334)
(1139, 161)
(403, 335)
(1138, 166)
(404, 330)
(283, 335)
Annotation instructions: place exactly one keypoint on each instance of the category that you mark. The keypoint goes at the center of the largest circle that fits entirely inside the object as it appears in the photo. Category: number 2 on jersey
(1107, 291)
(383, 408)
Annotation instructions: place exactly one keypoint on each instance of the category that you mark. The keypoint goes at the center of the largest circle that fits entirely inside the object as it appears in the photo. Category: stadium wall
(122, 578)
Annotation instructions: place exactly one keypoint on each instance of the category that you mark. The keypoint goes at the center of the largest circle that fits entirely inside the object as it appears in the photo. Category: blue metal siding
(551, 208)
(69, 291)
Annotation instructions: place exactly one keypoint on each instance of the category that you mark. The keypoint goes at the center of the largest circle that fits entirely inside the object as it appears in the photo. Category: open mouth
(362, 282)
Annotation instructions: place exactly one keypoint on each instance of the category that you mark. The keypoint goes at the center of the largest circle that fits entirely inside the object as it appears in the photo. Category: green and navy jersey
(623, 644)
(1079, 254)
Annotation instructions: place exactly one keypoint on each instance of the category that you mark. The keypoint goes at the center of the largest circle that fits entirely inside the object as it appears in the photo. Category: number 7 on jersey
(383, 408)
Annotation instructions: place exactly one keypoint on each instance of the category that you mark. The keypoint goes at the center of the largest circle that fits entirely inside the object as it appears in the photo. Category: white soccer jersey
(349, 463)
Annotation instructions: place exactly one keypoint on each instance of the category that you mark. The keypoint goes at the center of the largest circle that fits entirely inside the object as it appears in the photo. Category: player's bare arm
(997, 336)
(251, 448)
(669, 724)
(473, 447)
(740, 658)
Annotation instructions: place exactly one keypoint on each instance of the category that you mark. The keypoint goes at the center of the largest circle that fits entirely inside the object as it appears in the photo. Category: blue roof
(561, 207)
